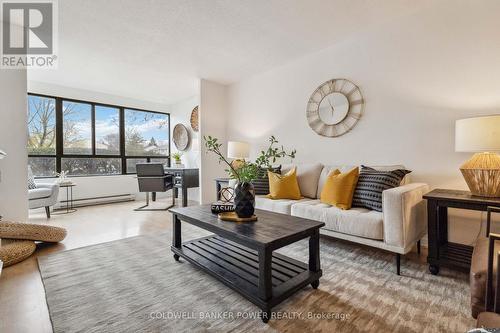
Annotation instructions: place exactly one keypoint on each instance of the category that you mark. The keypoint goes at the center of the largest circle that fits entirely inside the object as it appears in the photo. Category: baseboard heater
(83, 202)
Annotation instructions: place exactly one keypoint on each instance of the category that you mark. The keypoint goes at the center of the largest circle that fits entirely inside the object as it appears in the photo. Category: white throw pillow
(307, 177)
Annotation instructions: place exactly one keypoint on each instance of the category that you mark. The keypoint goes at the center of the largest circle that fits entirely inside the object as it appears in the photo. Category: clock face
(335, 107)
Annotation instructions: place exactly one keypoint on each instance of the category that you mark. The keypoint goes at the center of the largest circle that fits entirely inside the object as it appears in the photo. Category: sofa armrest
(54, 189)
(405, 214)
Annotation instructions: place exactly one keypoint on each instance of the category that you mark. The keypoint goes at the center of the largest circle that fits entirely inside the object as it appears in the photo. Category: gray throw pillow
(371, 184)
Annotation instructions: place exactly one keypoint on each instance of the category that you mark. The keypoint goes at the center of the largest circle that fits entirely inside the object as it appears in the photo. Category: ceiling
(157, 50)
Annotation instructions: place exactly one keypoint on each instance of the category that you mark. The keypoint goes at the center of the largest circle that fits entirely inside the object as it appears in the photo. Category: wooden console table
(442, 252)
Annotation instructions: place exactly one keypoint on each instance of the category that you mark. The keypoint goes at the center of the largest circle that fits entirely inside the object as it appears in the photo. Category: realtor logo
(28, 33)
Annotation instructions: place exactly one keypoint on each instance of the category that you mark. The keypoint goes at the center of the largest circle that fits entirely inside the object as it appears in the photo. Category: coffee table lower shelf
(238, 268)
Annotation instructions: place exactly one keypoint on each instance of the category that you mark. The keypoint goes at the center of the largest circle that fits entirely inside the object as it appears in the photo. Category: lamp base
(482, 174)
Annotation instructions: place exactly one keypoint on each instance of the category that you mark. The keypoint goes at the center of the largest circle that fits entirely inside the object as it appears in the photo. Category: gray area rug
(134, 285)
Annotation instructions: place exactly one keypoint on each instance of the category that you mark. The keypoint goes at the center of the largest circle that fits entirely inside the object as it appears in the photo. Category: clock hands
(331, 106)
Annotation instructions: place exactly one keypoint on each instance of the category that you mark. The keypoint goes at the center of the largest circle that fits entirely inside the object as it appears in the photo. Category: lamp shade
(480, 134)
(238, 150)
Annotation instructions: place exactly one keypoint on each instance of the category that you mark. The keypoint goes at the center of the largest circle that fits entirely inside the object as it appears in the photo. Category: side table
(442, 252)
(69, 198)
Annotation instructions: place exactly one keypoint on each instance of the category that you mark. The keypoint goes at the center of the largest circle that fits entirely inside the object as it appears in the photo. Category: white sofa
(45, 195)
(400, 225)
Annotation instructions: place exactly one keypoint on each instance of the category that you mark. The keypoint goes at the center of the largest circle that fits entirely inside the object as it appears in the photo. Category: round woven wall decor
(194, 119)
(181, 137)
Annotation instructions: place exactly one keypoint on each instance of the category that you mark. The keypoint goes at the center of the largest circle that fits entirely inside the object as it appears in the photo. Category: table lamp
(480, 135)
(238, 151)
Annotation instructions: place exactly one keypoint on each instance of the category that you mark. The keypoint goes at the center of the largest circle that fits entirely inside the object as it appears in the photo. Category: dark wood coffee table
(241, 254)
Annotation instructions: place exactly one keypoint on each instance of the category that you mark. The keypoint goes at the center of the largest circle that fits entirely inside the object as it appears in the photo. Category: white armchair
(45, 195)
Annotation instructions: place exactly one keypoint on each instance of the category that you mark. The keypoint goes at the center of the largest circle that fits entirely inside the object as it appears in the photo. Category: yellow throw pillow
(339, 188)
(284, 186)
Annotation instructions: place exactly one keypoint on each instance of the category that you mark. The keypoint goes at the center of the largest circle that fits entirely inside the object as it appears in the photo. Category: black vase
(244, 200)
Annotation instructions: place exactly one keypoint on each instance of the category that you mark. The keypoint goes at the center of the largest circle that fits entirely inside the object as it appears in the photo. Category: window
(92, 166)
(42, 135)
(131, 162)
(107, 130)
(43, 166)
(146, 134)
(86, 139)
(42, 126)
(77, 128)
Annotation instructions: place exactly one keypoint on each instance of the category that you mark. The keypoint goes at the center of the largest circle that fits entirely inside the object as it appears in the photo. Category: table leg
(433, 236)
(314, 261)
(71, 200)
(184, 196)
(67, 199)
(265, 281)
(265, 274)
(176, 240)
(443, 225)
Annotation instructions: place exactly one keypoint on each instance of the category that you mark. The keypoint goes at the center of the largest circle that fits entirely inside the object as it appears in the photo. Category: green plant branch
(213, 146)
(248, 171)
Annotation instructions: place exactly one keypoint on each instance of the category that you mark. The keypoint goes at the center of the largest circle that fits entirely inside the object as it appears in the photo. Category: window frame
(59, 155)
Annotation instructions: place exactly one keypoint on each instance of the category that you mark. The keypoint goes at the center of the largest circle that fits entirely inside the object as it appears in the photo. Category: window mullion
(59, 134)
(122, 141)
(92, 124)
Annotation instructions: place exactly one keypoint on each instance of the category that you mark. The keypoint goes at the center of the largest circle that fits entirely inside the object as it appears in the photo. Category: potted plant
(269, 157)
(177, 158)
(245, 172)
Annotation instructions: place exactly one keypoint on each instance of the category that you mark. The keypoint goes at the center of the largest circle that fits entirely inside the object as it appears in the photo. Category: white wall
(213, 114)
(90, 187)
(93, 96)
(418, 75)
(13, 140)
(181, 114)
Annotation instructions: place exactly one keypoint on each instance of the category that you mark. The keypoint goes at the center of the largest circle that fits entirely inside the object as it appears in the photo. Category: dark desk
(184, 178)
(442, 252)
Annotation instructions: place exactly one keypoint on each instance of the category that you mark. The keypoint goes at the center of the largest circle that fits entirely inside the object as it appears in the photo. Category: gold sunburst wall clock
(335, 107)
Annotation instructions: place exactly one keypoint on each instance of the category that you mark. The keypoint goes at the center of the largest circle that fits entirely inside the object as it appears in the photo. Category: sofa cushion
(344, 168)
(478, 274)
(307, 176)
(339, 188)
(404, 181)
(356, 221)
(261, 184)
(488, 320)
(284, 186)
(39, 193)
(282, 206)
(327, 169)
(372, 183)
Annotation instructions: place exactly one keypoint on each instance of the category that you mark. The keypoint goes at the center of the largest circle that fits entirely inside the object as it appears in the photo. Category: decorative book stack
(222, 206)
